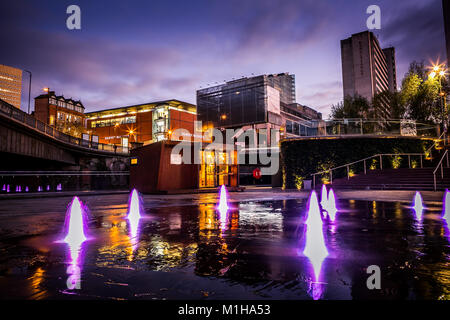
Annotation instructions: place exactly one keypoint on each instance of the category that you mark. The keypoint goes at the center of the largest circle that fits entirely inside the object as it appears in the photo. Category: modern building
(10, 85)
(446, 10)
(142, 123)
(264, 103)
(65, 114)
(366, 68)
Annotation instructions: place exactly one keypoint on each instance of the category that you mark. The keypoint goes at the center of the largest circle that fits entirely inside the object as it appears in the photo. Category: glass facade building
(246, 101)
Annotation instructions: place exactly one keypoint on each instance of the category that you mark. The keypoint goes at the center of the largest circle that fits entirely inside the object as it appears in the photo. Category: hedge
(302, 157)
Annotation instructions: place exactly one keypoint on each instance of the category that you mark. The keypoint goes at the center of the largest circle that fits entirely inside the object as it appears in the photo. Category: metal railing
(442, 167)
(380, 156)
(12, 182)
(442, 138)
(28, 120)
(360, 126)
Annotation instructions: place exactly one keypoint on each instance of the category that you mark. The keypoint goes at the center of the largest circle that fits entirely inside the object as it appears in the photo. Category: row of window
(299, 129)
(67, 105)
(61, 116)
(112, 122)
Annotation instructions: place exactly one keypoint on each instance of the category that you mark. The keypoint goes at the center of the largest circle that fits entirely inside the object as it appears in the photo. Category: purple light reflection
(315, 248)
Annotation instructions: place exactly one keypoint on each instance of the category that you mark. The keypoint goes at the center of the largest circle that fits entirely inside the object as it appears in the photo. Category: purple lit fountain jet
(75, 236)
(133, 216)
(331, 205)
(324, 198)
(418, 206)
(446, 216)
(315, 248)
(223, 207)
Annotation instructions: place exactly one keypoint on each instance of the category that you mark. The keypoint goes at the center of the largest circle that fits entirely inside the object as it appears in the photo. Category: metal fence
(28, 120)
(339, 127)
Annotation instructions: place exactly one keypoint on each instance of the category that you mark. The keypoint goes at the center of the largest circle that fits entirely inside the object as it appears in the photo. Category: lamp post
(29, 90)
(440, 72)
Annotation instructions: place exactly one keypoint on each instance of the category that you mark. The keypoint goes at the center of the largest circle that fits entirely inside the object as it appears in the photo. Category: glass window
(289, 126)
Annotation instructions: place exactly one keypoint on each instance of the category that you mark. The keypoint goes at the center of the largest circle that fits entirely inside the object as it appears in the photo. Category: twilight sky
(130, 52)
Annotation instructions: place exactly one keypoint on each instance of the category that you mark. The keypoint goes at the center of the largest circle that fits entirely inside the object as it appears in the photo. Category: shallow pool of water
(190, 251)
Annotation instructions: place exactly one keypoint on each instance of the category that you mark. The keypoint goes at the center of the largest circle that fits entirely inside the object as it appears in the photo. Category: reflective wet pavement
(184, 249)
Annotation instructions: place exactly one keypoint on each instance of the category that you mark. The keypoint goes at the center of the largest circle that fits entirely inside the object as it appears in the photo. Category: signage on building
(175, 159)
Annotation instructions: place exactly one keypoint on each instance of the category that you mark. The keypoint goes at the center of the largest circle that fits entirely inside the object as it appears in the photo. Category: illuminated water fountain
(39, 189)
(75, 236)
(331, 205)
(223, 207)
(4, 187)
(315, 248)
(75, 229)
(446, 216)
(59, 187)
(26, 189)
(324, 197)
(418, 205)
(133, 216)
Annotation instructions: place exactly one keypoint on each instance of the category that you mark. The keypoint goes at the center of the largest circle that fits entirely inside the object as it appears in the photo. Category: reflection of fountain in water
(75, 236)
(223, 207)
(133, 216)
(418, 206)
(315, 248)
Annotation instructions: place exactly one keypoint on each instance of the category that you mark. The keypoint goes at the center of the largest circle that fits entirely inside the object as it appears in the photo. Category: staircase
(395, 179)
(434, 175)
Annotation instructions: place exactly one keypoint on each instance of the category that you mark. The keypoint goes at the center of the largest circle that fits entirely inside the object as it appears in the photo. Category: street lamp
(29, 90)
(440, 72)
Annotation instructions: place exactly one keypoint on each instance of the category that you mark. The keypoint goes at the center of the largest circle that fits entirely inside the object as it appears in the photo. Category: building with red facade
(59, 112)
(142, 123)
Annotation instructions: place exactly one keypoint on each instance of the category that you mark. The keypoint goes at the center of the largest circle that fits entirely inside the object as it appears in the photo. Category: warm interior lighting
(46, 89)
(223, 117)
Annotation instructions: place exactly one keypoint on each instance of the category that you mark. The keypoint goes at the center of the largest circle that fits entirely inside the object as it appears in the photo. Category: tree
(420, 94)
(351, 107)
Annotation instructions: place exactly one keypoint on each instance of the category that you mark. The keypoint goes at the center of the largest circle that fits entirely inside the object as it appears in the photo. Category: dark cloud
(416, 31)
(129, 53)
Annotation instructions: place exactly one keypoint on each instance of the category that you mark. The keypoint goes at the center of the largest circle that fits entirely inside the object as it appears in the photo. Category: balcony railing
(28, 120)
